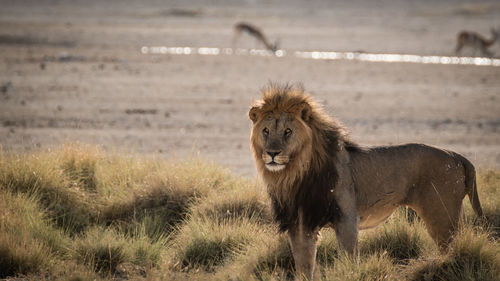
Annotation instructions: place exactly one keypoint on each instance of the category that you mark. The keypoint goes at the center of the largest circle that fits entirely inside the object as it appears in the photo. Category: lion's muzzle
(275, 160)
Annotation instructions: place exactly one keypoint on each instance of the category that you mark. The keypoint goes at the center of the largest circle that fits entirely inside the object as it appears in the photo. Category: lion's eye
(266, 131)
(288, 132)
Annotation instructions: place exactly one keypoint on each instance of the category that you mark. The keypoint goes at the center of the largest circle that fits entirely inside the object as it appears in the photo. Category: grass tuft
(271, 258)
(21, 255)
(166, 195)
(146, 251)
(328, 249)
(103, 249)
(489, 191)
(27, 241)
(473, 256)
(79, 163)
(206, 244)
(40, 176)
(244, 201)
(377, 267)
(160, 209)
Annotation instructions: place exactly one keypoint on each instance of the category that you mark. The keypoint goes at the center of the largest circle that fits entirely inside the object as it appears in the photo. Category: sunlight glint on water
(319, 55)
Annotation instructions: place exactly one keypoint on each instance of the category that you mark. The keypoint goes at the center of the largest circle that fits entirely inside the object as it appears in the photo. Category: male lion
(316, 176)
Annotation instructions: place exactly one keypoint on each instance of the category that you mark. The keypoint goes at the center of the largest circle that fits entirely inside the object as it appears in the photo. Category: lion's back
(389, 175)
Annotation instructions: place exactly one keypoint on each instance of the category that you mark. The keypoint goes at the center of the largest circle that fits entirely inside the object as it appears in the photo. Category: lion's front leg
(346, 230)
(303, 242)
(347, 226)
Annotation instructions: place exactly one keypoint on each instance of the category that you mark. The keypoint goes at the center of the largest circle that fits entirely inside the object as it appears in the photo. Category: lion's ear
(254, 113)
(305, 111)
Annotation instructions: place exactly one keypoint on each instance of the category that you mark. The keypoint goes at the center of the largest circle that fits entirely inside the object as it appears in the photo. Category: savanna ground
(138, 202)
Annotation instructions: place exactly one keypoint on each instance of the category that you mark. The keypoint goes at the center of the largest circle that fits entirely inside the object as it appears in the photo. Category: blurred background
(74, 71)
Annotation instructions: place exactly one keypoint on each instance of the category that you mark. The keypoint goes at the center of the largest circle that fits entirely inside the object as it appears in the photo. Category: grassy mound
(79, 213)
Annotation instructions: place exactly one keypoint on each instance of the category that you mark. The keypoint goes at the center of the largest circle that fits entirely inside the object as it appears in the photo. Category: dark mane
(314, 194)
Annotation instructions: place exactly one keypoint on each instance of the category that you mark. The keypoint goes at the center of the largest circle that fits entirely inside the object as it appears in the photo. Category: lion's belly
(377, 209)
(371, 218)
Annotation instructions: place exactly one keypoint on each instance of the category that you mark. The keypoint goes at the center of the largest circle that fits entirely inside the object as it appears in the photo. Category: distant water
(321, 55)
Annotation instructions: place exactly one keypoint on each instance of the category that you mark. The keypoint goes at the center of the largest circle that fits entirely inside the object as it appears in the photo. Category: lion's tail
(471, 185)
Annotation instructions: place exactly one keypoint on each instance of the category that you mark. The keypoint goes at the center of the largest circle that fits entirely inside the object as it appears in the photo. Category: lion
(316, 176)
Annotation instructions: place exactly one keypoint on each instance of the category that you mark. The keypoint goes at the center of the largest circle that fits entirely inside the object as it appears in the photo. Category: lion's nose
(273, 153)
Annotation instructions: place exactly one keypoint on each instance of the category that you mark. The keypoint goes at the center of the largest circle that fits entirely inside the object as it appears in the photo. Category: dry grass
(474, 255)
(398, 239)
(79, 213)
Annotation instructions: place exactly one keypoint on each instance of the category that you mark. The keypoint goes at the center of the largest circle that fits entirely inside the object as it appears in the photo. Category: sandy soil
(73, 70)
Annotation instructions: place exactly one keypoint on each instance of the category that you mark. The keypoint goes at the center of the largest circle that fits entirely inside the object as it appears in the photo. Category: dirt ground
(73, 70)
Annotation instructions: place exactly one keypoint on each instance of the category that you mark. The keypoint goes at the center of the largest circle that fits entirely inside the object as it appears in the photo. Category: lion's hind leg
(441, 215)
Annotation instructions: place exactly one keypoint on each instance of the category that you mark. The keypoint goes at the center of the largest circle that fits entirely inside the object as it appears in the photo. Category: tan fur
(367, 184)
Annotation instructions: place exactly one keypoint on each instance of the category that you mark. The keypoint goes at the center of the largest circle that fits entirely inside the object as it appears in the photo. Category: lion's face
(279, 139)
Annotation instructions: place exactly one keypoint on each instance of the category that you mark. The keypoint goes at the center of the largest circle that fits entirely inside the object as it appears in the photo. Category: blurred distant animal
(251, 30)
(476, 41)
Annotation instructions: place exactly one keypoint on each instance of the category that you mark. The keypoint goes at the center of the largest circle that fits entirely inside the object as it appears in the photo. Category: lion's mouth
(274, 167)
